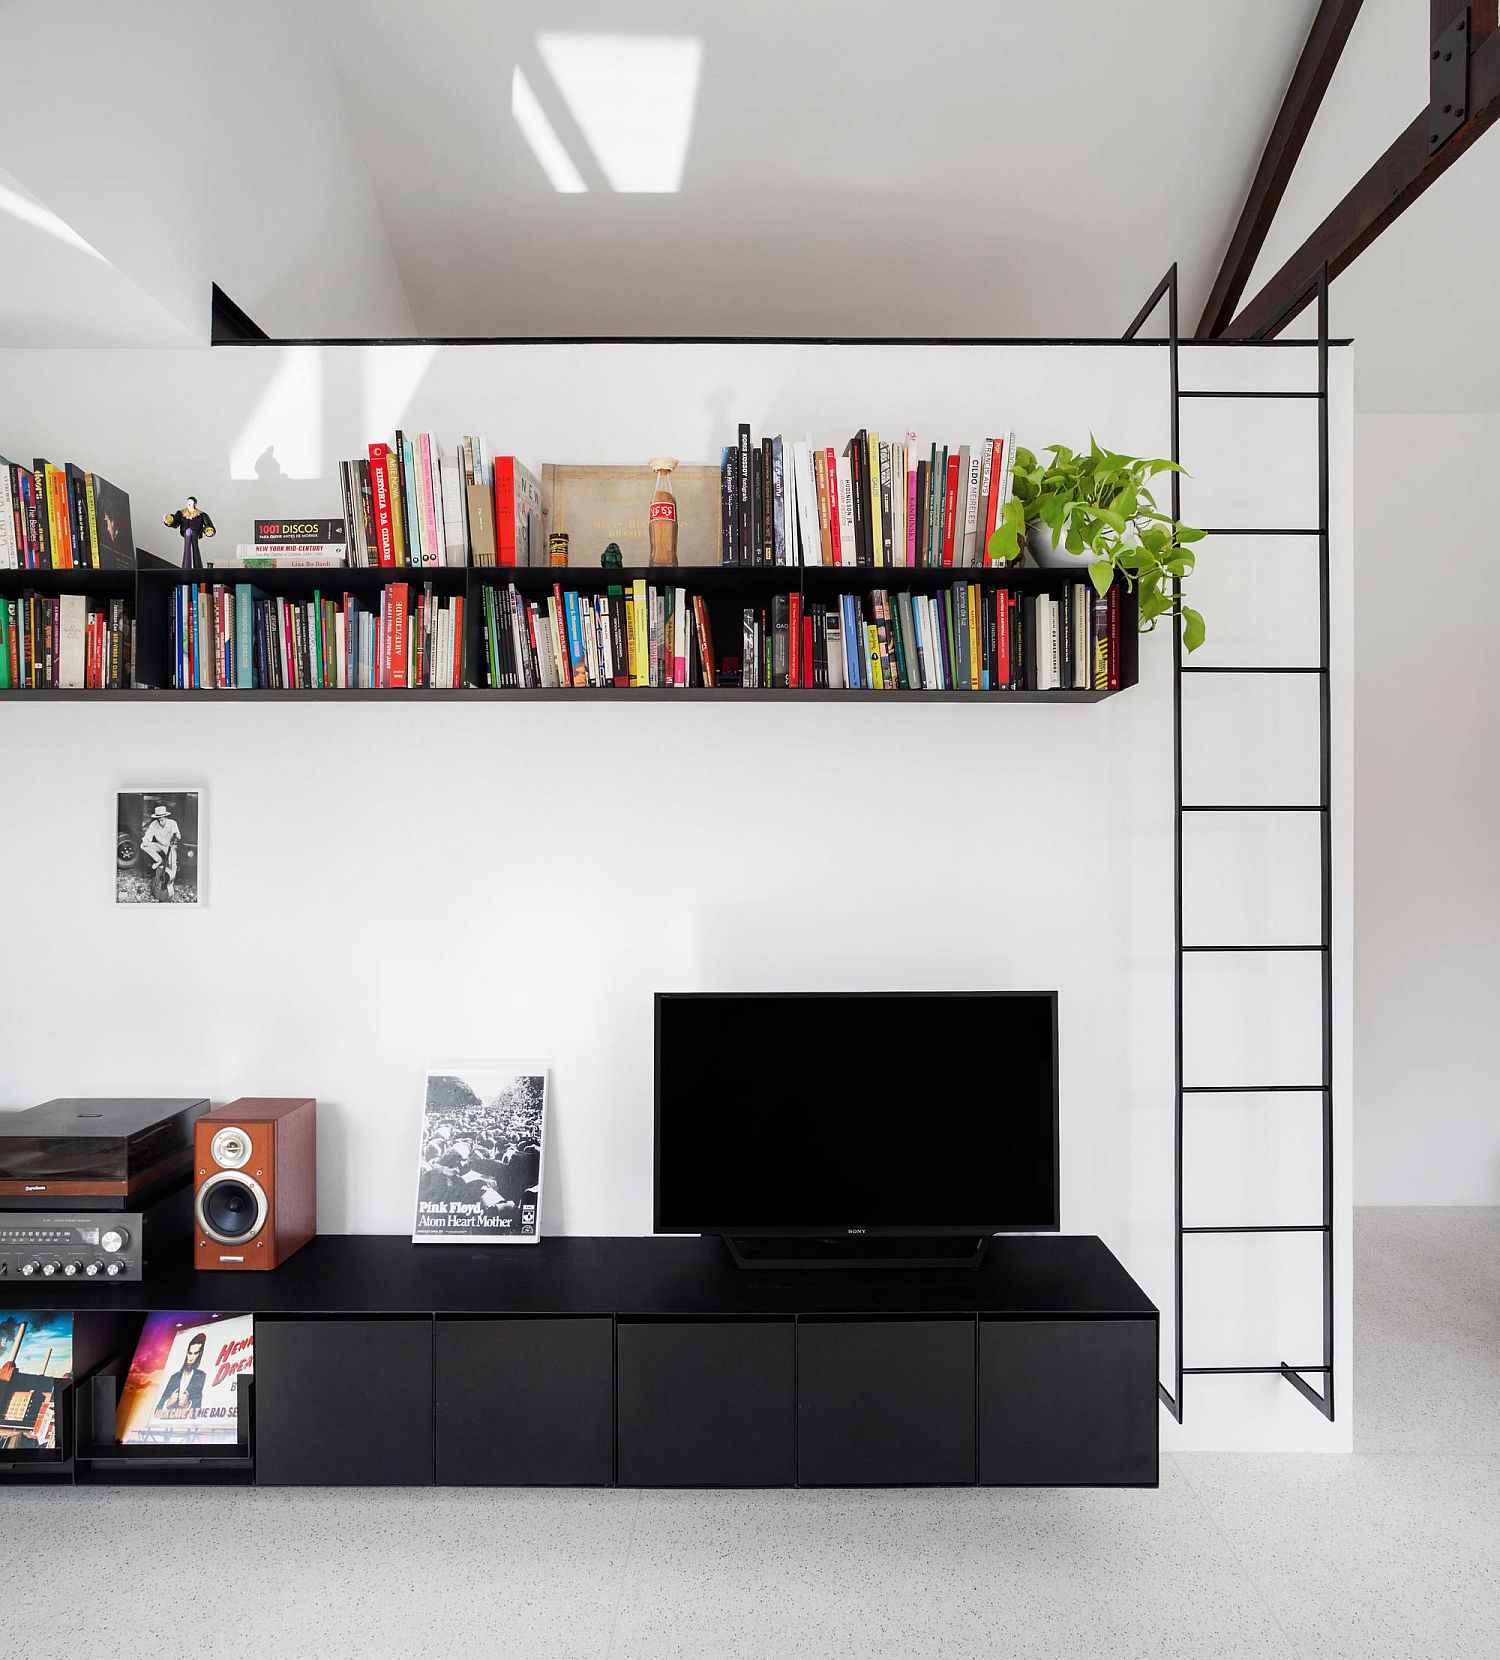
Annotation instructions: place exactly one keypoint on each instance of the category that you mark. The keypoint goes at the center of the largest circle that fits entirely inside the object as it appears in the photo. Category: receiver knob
(32, 1267)
(115, 1269)
(94, 1269)
(49, 1269)
(70, 1269)
(114, 1240)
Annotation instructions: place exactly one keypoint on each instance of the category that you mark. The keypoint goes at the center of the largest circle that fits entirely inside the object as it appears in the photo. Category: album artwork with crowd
(480, 1163)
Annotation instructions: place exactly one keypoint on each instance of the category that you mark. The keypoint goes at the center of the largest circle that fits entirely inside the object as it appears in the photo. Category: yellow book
(872, 642)
(88, 493)
(640, 657)
(630, 648)
(877, 523)
(393, 485)
(973, 588)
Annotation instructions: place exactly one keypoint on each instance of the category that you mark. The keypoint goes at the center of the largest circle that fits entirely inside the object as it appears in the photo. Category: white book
(606, 640)
(837, 677)
(848, 554)
(72, 629)
(546, 663)
(682, 636)
(341, 643)
(807, 502)
(929, 640)
(455, 532)
(971, 510)
(10, 558)
(789, 500)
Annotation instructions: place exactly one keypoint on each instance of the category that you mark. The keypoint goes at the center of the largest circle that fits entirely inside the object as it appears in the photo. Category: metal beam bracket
(1448, 101)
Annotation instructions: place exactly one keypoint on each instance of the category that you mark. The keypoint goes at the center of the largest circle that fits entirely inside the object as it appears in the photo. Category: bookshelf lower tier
(655, 1363)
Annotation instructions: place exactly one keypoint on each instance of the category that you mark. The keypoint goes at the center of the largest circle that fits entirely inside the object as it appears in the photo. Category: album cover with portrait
(479, 1164)
(183, 1382)
(36, 1354)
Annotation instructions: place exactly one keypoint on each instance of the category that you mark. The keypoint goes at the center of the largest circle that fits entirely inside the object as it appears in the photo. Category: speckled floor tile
(932, 1572)
(331, 1573)
(1427, 1330)
(1369, 1556)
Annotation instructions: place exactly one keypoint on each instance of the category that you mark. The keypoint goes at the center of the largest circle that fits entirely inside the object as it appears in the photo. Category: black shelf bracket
(1317, 289)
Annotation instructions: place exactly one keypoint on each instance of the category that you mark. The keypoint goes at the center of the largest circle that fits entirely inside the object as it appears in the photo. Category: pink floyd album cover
(182, 1388)
(36, 1354)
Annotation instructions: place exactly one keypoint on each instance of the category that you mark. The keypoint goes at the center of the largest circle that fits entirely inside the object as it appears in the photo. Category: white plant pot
(1049, 558)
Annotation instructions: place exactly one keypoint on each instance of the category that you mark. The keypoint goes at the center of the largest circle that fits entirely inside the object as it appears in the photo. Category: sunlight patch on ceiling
(633, 97)
(538, 132)
(32, 212)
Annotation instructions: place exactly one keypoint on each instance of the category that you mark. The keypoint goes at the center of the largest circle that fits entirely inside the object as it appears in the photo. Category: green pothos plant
(1098, 504)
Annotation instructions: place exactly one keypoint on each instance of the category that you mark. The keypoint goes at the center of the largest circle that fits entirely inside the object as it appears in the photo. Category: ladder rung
(1255, 1089)
(1217, 948)
(1250, 668)
(1182, 394)
(1245, 1371)
(1269, 1227)
(1253, 807)
(1264, 530)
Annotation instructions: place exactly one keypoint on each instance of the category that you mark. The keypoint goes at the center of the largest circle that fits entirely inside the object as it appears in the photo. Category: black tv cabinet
(655, 1362)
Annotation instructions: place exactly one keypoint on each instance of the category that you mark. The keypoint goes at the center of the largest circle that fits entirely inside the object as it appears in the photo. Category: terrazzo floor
(1392, 1552)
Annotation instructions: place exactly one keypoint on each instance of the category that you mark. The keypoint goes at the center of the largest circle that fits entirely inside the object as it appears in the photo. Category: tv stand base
(935, 1251)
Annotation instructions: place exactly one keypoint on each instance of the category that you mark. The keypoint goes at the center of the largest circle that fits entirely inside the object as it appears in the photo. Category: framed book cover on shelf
(479, 1162)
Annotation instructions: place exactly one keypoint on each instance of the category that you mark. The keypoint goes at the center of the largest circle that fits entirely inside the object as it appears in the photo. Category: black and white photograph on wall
(479, 1165)
(159, 847)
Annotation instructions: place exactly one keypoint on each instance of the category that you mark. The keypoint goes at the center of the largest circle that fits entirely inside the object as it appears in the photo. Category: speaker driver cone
(231, 1208)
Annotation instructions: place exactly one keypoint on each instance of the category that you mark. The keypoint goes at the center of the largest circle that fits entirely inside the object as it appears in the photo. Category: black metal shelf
(563, 694)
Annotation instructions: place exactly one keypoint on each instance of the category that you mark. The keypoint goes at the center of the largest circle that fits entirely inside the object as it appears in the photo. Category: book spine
(876, 520)
(432, 544)
(886, 502)
(986, 485)
(401, 554)
(743, 483)
(779, 554)
(1113, 642)
(767, 502)
(91, 519)
(950, 507)
(728, 503)
(994, 497)
(794, 640)
(828, 554)
(380, 492)
(911, 499)
(971, 606)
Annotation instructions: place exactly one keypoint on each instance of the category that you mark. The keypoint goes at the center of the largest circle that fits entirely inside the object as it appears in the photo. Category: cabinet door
(885, 1403)
(343, 1403)
(525, 1403)
(1068, 1403)
(705, 1403)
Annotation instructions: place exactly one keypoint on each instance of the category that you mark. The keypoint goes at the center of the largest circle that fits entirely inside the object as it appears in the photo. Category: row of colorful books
(873, 502)
(406, 503)
(963, 638)
(234, 636)
(58, 642)
(62, 518)
(638, 635)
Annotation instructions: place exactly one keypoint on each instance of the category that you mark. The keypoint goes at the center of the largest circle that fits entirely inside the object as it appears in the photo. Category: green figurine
(611, 558)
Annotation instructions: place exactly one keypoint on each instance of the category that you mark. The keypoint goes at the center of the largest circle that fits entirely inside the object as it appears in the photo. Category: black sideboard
(647, 1362)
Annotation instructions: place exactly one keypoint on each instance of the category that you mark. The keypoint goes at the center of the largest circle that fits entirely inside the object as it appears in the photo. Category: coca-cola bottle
(662, 522)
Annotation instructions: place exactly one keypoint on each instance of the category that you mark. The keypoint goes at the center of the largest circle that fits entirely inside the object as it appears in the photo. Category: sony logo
(856, 1230)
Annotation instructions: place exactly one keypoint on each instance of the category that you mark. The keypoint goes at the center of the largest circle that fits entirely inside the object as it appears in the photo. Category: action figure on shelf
(194, 526)
(611, 558)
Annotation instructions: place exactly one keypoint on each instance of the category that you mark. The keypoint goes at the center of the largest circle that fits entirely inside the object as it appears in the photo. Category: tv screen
(825, 1114)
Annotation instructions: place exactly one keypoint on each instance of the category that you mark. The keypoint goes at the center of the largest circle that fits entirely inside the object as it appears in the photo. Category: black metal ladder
(1296, 1375)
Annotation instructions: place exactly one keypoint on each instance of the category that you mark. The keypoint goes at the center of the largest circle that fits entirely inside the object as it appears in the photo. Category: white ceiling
(353, 167)
(981, 167)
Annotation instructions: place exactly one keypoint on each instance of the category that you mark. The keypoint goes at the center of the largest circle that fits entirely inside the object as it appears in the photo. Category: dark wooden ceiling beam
(1304, 94)
(1408, 167)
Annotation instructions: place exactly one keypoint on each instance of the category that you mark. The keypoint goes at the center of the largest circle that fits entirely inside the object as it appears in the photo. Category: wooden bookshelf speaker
(255, 1182)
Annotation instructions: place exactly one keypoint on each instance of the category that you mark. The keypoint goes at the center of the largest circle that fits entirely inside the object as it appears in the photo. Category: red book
(1002, 638)
(807, 650)
(505, 510)
(457, 676)
(397, 633)
(705, 642)
(992, 514)
(380, 493)
(794, 643)
(831, 483)
(950, 509)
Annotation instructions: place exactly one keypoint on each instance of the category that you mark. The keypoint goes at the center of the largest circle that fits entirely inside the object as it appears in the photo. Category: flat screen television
(870, 1123)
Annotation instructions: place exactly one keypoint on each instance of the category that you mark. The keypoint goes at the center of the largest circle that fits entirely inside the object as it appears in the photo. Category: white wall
(389, 883)
(1427, 882)
(195, 144)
